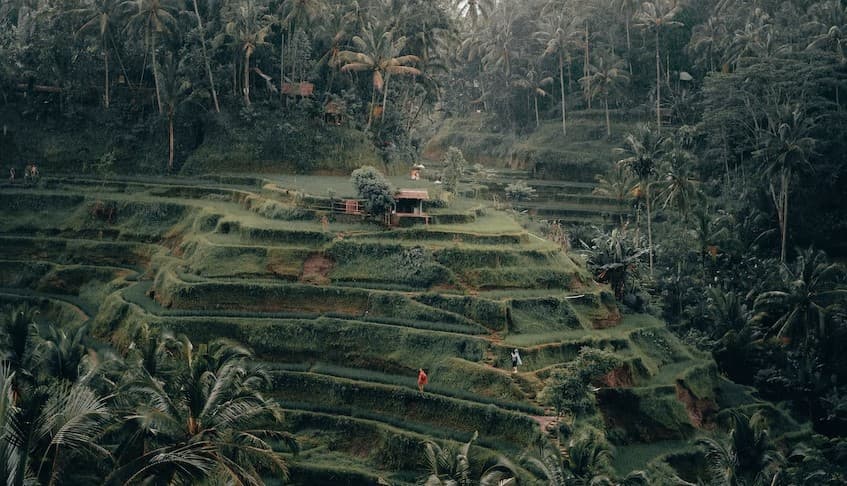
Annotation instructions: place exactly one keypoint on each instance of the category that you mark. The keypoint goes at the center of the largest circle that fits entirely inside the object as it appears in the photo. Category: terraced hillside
(345, 313)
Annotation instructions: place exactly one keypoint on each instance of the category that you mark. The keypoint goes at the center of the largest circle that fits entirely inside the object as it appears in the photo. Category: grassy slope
(542, 154)
(206, 247)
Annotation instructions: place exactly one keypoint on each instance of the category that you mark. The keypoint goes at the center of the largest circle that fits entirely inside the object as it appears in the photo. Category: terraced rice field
(345, 315)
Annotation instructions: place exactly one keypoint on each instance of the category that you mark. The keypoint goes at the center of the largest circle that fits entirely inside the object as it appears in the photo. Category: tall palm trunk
(658, 89)
(537, 119)
(649, 229)
(106, 75)
(371, 107)
(281, 62)
(248, 51)
(784, 210)
(155, 70)
(608, 119)
(170, 138)
(385, 95)
(586, 70)
(562, 91)
(206, 57)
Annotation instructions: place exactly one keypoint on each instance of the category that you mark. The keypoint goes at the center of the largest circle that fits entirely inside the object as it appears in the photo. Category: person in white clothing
(516, 360)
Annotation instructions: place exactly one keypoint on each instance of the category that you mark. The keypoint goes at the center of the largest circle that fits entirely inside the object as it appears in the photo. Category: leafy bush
(454, 167)
(374, 188)
(519, 191)
(567, 388)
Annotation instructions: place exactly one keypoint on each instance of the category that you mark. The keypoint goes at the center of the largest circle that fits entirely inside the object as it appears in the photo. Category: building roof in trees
(421, 194)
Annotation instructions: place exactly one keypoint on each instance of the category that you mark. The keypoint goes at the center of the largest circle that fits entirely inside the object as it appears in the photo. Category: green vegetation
(641, 199)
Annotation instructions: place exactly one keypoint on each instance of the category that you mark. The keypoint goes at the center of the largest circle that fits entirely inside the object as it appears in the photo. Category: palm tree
(613, 257)
(474, 10)
(785, 148)
(627, 9)
(18, 340)
(828, 24)
(707, 41)
(560, 35)
(50, 415)
(100, 14)
(379, 53)
(201, 417)
(296, 14)
(643, 150)
(606, 79)
(616, 184)
(588, 461)
(654, 16)
(153, 18)
(205, 54)
(747, 456)
(800, 309)
(61, 353)
(247, 25)
(531, 82)
(727, 311)
(174, 90)
(446, 466)
(336, 29)
(677, 188)
(11, 455)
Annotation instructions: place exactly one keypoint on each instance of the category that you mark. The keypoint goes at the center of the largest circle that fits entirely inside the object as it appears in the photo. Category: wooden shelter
(408, 203)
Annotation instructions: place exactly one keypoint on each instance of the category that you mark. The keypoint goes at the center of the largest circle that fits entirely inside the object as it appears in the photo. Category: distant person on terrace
(422, 379)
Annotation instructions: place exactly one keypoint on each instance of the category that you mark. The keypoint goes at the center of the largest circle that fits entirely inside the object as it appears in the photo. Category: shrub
(567, 388)
(454, 167)
(374, 188)
(519, 191)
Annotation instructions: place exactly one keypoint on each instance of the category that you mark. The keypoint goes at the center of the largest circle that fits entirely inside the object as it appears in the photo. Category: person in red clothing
(422, 379)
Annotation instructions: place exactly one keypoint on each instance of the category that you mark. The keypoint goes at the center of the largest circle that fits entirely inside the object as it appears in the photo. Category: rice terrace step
(344, 316)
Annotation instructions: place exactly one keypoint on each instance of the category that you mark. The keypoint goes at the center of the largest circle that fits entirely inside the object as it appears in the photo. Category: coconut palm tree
(676, 187)
(446, 466)
(152, 18)
(535, 84)
(61, 352)
(378, 52)
(613, 257)
(247, 26)
(296, 14)
(784, 151)
(18, 340)
(202, 416)
(473, 10)
(100, 14)
(174, 91)
(605, 79)
(643, 150)
(11, 455)
(616, 184)
(799, 310)
(336, 29)
(560, 33)
(708, 42)
(656, 16)
(204, 52)
(627, 8)
(747, 456)
(828, 25)
(48, 415)
(587, 461)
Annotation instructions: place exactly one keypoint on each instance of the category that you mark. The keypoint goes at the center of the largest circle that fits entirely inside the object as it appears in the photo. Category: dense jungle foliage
(732, 179)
